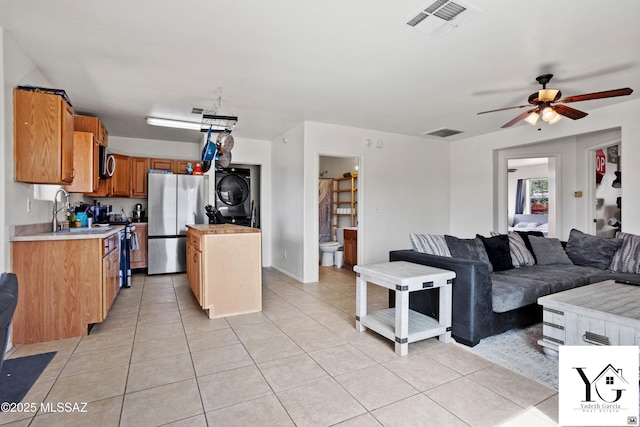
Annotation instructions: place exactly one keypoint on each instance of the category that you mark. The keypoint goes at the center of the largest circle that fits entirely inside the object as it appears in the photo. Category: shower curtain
(324, 202)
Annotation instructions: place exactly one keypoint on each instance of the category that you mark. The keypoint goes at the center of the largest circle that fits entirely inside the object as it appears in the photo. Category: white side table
(400, 324)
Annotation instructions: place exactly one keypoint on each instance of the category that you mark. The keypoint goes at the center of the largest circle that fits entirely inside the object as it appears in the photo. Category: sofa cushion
(559, 277)
(468, 249)
(497, 248)
(609, 275)
(525, 238)
(627, 257)
(520, 255)
(429, 244)
(512, 292)
(548, 251)
(593, 251)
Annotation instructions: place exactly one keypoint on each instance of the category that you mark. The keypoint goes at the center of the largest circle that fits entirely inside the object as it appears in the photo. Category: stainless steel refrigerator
(175, 200)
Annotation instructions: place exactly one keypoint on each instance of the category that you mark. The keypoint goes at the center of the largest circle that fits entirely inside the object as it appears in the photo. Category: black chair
(8, 302)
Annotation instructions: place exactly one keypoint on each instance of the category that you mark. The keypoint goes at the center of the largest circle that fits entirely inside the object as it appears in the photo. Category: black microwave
(107, 163)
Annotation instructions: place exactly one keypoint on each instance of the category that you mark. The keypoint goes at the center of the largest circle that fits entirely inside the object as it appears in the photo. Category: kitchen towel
(134, 241)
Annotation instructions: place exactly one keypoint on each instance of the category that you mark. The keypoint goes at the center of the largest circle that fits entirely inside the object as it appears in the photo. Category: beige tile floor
(158, 360)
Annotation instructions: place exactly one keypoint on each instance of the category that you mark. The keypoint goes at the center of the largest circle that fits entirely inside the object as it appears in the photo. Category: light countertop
(222, 228)
(25, 235)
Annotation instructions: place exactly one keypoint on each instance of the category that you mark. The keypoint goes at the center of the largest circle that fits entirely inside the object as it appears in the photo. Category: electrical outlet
(28, 205)
(284, 254)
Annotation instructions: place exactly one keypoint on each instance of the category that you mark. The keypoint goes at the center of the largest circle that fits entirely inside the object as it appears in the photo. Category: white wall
(17, 69)
(473, 195)
(288, 217)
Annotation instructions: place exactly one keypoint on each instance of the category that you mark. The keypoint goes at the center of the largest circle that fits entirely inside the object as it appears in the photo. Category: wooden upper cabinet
(121, 179)
(180, 166)
(85, 160)
(43, 138)
(163, 164)
(93, 125)
(139, 173)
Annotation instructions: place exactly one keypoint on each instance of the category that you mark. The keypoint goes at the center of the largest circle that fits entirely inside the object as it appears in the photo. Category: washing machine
(233, 195)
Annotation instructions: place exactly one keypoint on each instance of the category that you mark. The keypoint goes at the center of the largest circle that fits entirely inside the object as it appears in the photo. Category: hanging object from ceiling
(549, 106)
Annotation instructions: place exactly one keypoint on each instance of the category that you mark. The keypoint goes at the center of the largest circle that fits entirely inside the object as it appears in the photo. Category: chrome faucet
(55, 207)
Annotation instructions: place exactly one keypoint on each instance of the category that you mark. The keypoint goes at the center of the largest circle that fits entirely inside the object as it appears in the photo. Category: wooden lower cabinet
(224, 268)
(351, 247)
(61, 297)
(194, 265)
(139, 258)
(110, 272)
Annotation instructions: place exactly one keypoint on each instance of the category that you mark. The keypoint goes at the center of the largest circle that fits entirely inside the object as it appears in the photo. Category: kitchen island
(224, 268)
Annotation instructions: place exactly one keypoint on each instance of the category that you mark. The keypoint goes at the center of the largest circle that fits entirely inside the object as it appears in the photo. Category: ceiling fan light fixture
(556, 119)
(532, 118)
(548, 114)
(547, 95)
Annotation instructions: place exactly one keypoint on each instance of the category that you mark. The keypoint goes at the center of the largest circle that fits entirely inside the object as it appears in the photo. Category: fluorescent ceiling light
(180, 124)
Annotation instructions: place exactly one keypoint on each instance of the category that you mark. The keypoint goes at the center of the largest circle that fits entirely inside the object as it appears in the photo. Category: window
(538, 195)
(609, 380)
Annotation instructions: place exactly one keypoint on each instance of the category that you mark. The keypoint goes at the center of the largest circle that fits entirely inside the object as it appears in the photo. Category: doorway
(338, 209)
(531, 195)
(607, 179)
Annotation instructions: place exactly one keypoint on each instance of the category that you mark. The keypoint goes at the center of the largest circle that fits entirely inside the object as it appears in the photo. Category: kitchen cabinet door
(194, 260)
(85, 161)
(110, 273)
(180, 166)
(43, 138)
(93, 125)
(139, 174)
(162, 164)
(139, 257)
(121, 179)
(351, 247)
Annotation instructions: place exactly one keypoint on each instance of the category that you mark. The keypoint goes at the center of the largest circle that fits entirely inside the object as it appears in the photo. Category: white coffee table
(399, 324)
(604, 313)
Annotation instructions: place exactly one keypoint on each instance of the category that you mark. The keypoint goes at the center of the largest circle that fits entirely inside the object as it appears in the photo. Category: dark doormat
(19, 374)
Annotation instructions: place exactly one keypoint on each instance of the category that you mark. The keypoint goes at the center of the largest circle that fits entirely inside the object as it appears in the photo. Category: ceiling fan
(544, 100)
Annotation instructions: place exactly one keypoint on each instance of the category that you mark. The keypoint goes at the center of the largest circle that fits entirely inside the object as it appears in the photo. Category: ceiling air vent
(442, 16)
(442, 133)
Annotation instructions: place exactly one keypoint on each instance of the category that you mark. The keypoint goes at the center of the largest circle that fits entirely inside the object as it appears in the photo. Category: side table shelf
(420, 326)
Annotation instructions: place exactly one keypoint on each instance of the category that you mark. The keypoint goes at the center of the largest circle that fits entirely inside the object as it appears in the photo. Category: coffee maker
(138, 213)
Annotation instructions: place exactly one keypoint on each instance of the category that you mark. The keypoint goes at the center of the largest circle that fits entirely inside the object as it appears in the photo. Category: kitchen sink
(85, 230)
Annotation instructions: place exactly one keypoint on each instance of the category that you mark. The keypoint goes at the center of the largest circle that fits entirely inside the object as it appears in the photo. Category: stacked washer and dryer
(233, 195)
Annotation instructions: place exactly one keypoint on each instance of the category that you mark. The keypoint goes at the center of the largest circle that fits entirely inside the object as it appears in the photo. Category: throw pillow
(497, 248)
(525, 238)
(627, 257)
(548, 251)
(592, 251)
(468, 249)
(520, 255)
(430, 244)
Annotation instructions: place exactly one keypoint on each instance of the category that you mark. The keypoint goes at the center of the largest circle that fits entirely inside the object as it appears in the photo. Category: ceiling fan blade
(569, 112)
(507, 108)
(598, 95)
(517, 119)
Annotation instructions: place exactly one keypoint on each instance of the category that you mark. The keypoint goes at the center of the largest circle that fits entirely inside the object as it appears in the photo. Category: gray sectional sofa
(487, 302)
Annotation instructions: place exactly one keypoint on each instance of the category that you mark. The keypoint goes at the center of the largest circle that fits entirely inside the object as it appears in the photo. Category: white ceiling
(353, 63)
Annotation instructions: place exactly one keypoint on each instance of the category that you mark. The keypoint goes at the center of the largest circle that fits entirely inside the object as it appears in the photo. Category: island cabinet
(224, 268)
(66, 284)
(43, 138)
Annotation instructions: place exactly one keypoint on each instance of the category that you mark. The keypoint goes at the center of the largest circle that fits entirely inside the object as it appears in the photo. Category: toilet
(327, 250)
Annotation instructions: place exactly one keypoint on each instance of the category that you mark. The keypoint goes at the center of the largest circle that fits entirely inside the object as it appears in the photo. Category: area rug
(519, 351)
(18, 375)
